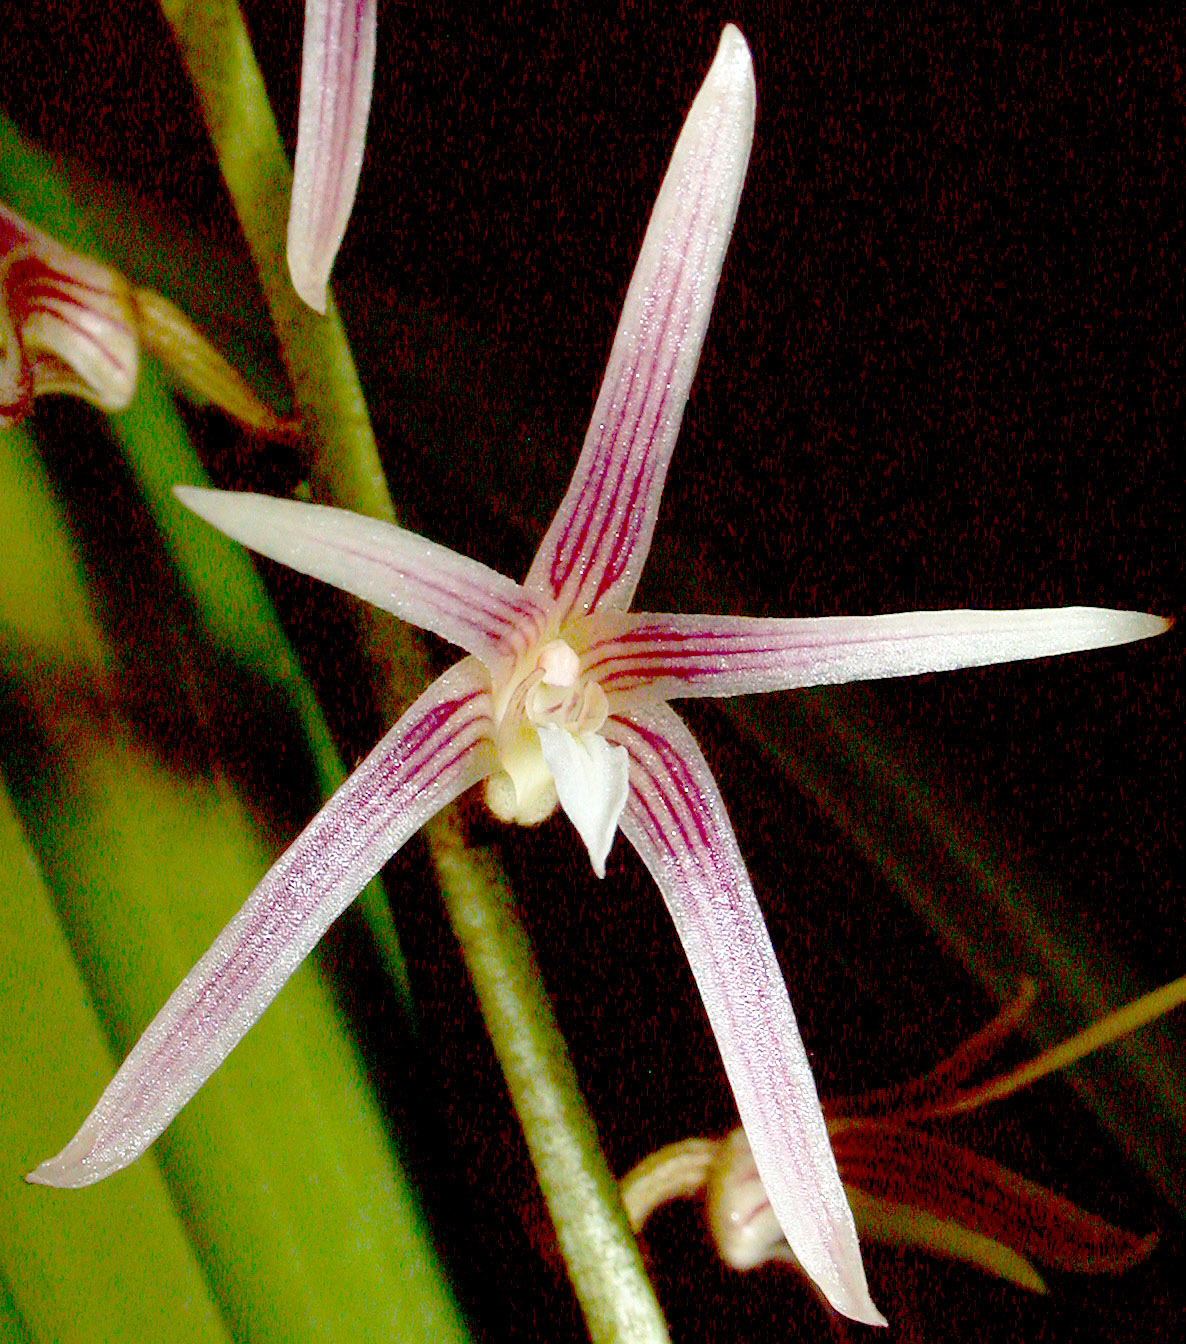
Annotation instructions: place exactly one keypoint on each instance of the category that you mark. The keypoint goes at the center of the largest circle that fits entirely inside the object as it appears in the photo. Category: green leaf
(43, 587)
(219, 575)
(109, 1263)
(281, 1171)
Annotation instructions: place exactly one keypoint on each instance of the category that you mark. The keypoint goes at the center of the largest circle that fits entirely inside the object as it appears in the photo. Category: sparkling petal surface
(436, 751)
(429, 585)
(337, 75)
(595, 547)
(676, 820)
(673, 656)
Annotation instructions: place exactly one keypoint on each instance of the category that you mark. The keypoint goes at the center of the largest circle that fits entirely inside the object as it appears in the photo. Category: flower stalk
(602, 1259)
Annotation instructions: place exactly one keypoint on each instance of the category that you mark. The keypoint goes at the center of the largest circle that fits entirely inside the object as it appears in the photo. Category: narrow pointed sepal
(166, 332)
(595, 547)
(906, 1225)
(425, 584)
(746, 1233)
(908, 1168)
(337, 75)
(437, 750)
(672, 656)
(676, 820)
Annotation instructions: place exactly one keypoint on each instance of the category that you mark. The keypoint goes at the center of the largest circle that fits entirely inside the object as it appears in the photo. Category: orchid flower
(907, 1186)
(337, 74)
(66, 324)
(70, 324)
(563, 700)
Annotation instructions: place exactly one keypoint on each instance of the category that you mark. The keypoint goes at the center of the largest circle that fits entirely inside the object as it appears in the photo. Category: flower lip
(543, 695)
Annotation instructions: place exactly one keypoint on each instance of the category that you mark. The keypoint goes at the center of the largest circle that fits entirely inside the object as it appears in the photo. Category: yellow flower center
(544, 688)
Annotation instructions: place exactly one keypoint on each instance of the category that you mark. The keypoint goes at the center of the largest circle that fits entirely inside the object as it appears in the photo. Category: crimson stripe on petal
(596, 545)
(437, 750)
(612, 499)
(676, 820)
(71, 325)
(675, 656)
(417, 580)
(85, 328)
(337, 75)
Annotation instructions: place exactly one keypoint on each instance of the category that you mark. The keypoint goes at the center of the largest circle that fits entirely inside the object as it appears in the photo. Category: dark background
(944, 369)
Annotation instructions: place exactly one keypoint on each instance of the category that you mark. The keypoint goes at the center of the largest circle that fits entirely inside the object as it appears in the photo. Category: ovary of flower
(563, 697)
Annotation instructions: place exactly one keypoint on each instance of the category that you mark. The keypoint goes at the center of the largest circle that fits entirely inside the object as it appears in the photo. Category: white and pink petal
(670, 656)
(595, 547)
(438, 749)
(417, 580)
(676, 820)
(337, 76)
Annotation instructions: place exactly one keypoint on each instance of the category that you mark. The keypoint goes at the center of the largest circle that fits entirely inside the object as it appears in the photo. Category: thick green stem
(603, 1261)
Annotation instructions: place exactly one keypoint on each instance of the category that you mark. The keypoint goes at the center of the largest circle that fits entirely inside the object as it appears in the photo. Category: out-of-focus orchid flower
(908, 1187)
(563, 700)
(337, 74)
(66, 324)
(70, 324)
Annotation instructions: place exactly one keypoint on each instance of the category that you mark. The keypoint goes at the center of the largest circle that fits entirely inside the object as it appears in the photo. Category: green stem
(217, 52)
(602, 1258)
(222, 581)
(582, 1195)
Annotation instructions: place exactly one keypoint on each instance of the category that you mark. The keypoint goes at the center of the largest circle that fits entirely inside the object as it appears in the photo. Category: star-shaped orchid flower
(563, 699)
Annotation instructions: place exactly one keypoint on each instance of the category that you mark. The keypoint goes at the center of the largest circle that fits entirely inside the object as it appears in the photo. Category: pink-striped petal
(747, 1234)
(67, 324)
(908, 1167)
(676, 820)
(337, 74)
(420, 582)
(595, 548)
(436, 751)
(675, 656)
